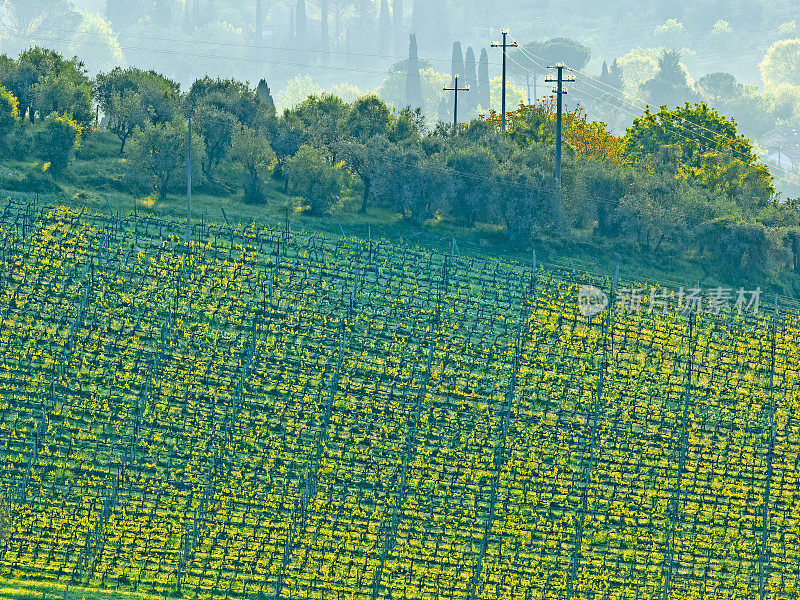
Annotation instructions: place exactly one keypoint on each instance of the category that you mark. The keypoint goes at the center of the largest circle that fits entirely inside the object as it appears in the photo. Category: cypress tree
(413, 79)
(457, 65)
(397, 24)
(471, 79)
(484, 87)
(367, 23)
(604, 72)
(265, 93)
(615, 75)
(384, 29)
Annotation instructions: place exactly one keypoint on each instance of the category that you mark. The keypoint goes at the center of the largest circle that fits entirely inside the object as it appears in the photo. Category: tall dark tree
(670, 86)
(265, 94)
(718, 88)
(397, 25)
(413, 79)
(457, 61)
(484, 86)
(366, 23)
(615, 75)
(384, 29)
(471, 79)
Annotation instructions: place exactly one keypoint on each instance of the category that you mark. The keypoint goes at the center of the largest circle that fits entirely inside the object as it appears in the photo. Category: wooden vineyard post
(41, 429)
(189, 538)
(97, 538)
(390, 538)
(763, 553)
(246, 365)
(312, 465)
(499, 451)
(669, 542)
(5, 525)
(608, 343)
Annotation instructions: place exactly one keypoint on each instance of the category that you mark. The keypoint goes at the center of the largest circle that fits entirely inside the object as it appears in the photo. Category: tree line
(681, 183)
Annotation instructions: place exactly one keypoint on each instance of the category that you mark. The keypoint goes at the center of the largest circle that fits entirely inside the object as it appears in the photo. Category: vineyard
(277, 415)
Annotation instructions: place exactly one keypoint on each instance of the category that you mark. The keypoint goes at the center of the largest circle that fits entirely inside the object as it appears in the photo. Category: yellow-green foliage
(9, 111)
(340, 417)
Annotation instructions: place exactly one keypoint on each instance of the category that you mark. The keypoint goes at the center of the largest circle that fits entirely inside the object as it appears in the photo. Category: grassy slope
(99, 174)
(13, 589)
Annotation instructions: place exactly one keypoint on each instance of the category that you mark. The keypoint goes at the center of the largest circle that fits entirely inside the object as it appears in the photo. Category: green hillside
(305, 417)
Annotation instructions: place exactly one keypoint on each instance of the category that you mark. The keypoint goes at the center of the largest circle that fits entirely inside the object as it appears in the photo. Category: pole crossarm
(504, 45)
(560, 79)
(455, 89)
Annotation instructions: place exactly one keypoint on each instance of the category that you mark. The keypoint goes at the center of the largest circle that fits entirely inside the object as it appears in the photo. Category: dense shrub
(56, 141)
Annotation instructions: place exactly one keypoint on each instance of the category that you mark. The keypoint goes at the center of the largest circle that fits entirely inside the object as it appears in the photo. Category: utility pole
(535, 77)
(189, 191)
(504, 45)
(559, 91)
(455, 89)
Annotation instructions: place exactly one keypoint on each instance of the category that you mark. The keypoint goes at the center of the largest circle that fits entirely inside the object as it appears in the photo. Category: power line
(226, 44)
(531, 57)
(221, 57)
(641, 103)
(787, 175)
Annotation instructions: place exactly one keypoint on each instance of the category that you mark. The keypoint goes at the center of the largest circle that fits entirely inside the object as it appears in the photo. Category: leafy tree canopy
(698, 142)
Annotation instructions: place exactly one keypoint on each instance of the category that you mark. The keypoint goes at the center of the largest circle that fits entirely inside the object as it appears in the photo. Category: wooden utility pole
(559, 91)
(189, 191)
(455, 89)
(504, 44)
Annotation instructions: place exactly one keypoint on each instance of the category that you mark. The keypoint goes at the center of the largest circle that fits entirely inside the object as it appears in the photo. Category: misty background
(742, 57)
